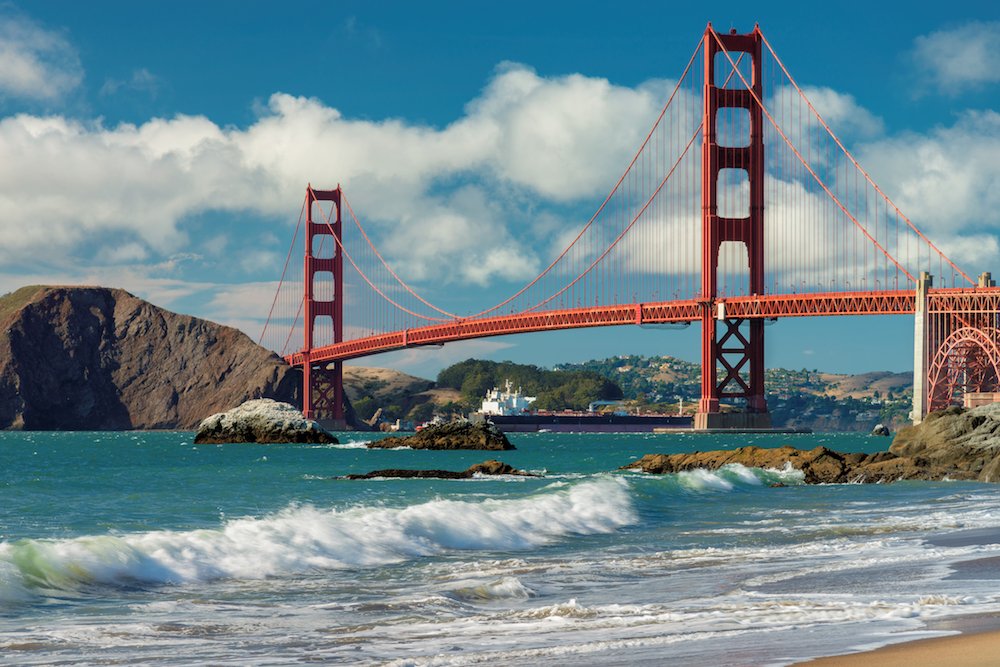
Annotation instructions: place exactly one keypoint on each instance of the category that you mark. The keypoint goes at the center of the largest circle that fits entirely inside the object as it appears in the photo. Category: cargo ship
(511, 411)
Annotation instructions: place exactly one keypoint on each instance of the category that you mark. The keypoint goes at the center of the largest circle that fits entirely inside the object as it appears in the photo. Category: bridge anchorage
(740, 206)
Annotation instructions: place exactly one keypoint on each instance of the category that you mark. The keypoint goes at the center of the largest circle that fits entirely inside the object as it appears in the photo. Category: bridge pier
(920, 348)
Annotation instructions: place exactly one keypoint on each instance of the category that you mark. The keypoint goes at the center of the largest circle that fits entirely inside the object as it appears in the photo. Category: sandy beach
(980, 649)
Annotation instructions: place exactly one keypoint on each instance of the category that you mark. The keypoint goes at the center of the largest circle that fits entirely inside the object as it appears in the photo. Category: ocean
(142, 548)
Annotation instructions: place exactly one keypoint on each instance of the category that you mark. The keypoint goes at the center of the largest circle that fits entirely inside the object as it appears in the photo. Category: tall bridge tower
(735, 344)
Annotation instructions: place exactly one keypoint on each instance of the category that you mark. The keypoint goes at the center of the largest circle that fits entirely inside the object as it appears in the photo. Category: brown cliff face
(92, 358)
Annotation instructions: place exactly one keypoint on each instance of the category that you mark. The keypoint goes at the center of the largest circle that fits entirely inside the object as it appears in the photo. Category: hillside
(93, 358)
(398, 394)
(796, 398)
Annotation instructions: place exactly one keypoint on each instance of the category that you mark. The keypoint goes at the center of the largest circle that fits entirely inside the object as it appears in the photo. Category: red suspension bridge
(740, 206)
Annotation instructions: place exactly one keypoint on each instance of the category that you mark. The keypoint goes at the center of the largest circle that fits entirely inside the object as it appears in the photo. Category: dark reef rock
(262, 421)
(881, 430)
(491, 467)
(453, 435)
(954, 444)
(92, 358)
(819, 465)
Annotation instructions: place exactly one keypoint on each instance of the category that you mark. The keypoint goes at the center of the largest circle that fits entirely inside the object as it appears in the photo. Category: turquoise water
(143, 548)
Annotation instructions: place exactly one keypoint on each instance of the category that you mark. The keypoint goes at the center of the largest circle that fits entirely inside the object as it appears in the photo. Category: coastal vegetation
(555, 390)
(803, 398)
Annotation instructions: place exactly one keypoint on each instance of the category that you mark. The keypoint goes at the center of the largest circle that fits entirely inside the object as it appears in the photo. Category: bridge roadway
(891, 302)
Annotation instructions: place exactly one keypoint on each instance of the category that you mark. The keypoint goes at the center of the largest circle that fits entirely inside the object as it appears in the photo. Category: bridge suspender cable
(861, 169)
(388, 268)
(371, 284)
(808, 167)
(627, 227)
(607, 199)
(284, 272)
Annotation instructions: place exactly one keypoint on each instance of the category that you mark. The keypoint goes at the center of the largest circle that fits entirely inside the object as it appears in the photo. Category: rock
(494, 467)
(262, 421)
(881, 429)
(491, 467)
(819, 465)
(453, 435)
(92, 358)
(966, 440)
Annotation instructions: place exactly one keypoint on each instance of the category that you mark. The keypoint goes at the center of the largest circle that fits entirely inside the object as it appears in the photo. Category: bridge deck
(891, 302)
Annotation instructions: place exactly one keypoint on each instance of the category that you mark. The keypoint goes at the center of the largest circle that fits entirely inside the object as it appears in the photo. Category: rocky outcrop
(491, 467)
(453, 435)
(91, 358)
(819, 465)
(966, 440)
(881, 430)
(262, 421)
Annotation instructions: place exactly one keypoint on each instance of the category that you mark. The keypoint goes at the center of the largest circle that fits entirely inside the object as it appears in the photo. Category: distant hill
(93, 358)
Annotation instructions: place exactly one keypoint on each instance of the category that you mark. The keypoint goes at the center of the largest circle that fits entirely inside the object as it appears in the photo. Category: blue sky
(163, 147)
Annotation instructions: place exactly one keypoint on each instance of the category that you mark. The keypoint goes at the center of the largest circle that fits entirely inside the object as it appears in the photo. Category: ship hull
(568, 423)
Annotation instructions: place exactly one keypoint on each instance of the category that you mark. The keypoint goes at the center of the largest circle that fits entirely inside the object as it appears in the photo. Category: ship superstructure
(507, 401)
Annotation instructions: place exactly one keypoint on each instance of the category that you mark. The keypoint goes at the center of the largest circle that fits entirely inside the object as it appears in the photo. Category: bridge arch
(967, 360)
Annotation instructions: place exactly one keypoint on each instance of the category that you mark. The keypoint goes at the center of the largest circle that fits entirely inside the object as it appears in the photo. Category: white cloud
(960, 58)
(141, 81)
(946, 181)
(561, 139)
(843, 113)
(488, 199)
(35, 63)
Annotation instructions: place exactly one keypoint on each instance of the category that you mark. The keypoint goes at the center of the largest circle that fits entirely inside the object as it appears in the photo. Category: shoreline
(976, 644)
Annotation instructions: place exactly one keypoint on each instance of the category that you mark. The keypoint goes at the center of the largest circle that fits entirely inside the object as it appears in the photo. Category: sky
(164, 147)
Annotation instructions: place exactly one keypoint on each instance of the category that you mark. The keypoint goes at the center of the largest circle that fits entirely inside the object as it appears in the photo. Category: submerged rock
(263, 421)
(491, 467)
(453, 435)
(819, 466)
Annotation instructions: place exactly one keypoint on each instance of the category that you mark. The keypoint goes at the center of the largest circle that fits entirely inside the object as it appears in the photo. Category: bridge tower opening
(733, 345)
(323, 383)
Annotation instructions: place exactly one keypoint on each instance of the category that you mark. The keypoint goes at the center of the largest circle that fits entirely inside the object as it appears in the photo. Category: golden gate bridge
(740, 206)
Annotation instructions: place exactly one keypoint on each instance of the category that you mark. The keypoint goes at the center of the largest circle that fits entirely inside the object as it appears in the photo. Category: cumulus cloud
(558, 139)
(35, 63)
(945, 181)
(490, 198)
(843, 113)
(960, 58)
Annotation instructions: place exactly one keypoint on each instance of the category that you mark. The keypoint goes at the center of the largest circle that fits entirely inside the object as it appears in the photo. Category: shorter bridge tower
(323, 383)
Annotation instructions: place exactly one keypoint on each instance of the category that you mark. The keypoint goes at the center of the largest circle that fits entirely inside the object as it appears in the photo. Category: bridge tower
(735, 344)
(323, 384)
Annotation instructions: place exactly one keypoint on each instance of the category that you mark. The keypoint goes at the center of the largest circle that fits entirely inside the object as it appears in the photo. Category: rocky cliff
(91, 358)
(967, 440)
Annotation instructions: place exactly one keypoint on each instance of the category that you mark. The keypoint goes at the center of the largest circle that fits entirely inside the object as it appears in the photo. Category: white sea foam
(505, 588)
(351, 444)
(732, 476)
(305, 538)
